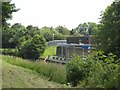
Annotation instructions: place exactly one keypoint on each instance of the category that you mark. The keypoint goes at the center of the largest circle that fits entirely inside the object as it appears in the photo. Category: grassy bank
(18, 77)
(53, 72)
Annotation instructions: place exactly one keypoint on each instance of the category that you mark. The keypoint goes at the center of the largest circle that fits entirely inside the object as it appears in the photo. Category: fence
(55, 42)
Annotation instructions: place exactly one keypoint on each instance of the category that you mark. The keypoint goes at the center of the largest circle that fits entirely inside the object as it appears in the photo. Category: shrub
(32, 48)
(102, 75)
(94, 71)
(104, 72)
(9, 51)
(77, 70)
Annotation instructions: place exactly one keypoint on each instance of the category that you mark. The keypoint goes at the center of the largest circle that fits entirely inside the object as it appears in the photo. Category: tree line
(106, 32)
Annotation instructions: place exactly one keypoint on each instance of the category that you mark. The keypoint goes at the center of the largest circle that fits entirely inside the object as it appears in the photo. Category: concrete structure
(75, 46)
(69, 50)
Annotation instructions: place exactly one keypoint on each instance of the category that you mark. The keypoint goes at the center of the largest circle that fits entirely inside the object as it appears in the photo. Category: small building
(66, 50)
(75, 46)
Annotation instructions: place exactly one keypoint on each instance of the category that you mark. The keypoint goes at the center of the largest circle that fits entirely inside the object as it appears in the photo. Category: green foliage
(94, 71)
(16, 26)
(93, 28)
(10, 36)
(54, 72)
(109, 35)
(48, 34)
(9, 51)
(7, 33)
(77, 70)
(62, 30)
(59, 36)
(32, 30)
(103, 74)
(72, 32)
(76, 34)
(7, 10)
(14, 36)
(19, 31)
(32, 48)
(90, 28)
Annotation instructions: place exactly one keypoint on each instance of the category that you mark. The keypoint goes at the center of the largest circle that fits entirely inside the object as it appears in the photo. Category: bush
(77, 70)
(104, 72)
(94, 71)
(102, 75)
(9, 51)
(32, 48)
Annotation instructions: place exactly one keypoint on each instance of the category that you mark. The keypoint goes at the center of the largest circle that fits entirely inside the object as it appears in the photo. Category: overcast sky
(68, 13)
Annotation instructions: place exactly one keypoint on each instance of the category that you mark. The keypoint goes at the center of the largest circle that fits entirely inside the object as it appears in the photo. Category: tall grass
(54, 72)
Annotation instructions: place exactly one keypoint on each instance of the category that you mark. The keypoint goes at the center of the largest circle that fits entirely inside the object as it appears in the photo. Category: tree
(17, 25)
(31, 27)
(59, 36)
(7, 35)
(10, 36)
(47, 33)
(19, 31)
(109, 35)
(48, 36)
(90, 28)
(32, 30)
(7, 10)
(32, 48)
(72, 32)
(63, 30)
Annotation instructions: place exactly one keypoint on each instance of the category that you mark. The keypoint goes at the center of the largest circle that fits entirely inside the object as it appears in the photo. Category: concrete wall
(65, 51)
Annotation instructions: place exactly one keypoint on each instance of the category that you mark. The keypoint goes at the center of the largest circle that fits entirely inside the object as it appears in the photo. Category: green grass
(49, 51)
(53, 72)
(18, 77)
